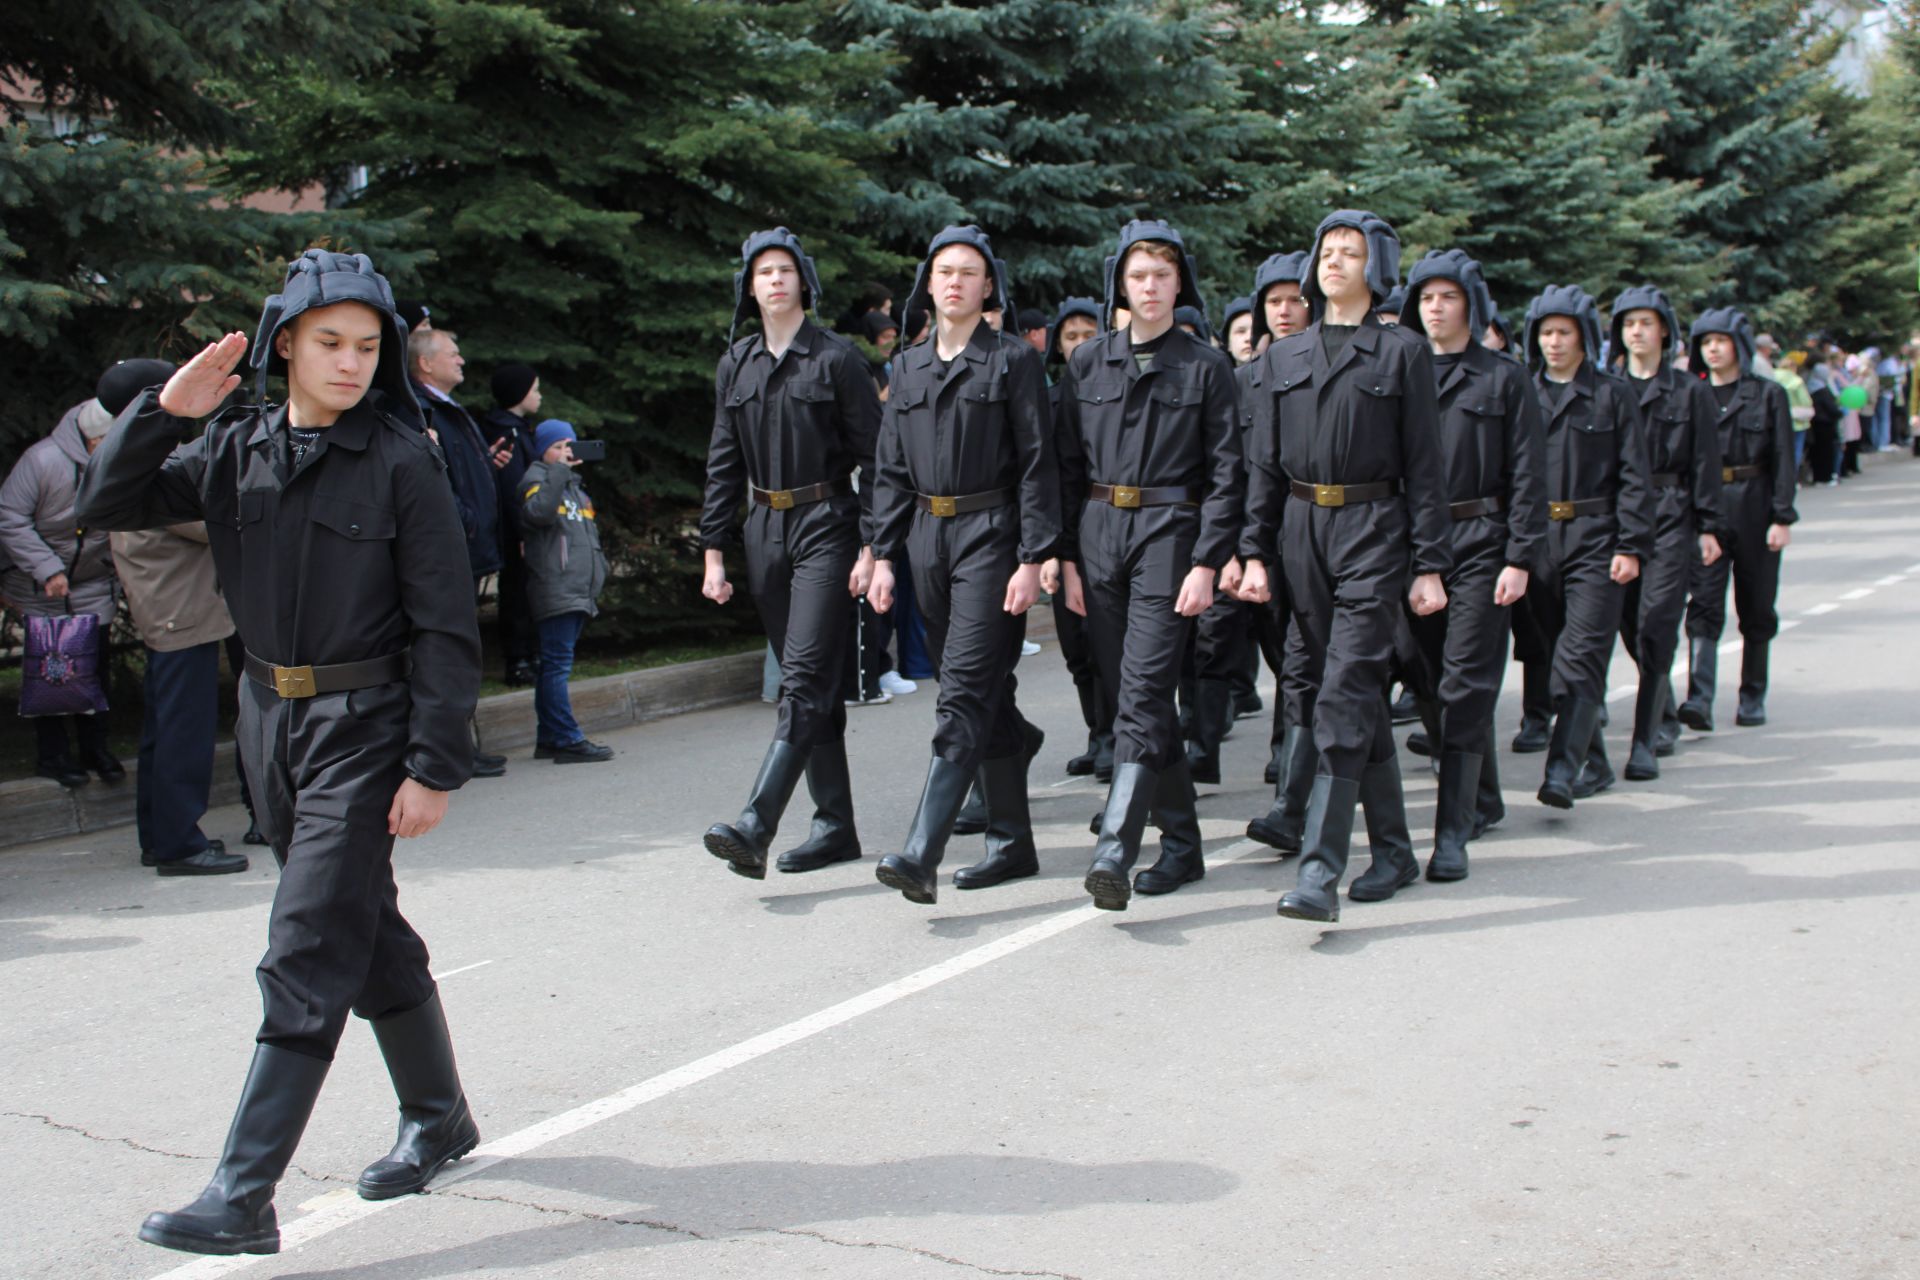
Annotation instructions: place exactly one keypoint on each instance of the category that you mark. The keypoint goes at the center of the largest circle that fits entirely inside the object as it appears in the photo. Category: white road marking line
(1891, 579)
(1819, 609)
(442, 977)
(1913, 568)
(1858, 593)
(333, 1214)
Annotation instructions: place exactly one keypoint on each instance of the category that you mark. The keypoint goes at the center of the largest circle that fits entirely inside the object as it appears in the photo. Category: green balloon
(1853, 397)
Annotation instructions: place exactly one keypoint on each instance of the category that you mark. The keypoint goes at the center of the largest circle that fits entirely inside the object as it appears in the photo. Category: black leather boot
(833, 837)
(1703, 672)
(1284, 825)
(1489, 806)
(1753, 684)
(1177, 816)
(1129, 800)
(1330, 804)
(1649, 707)
(1082, 765)
(1666, 738)
(743, 844)
(1421, 742)
(1536, 709)
(1103, 763)
(1573, 731)
(1212, 713)
(436, 1125)
(1010, 851)
(1596, 773)
(915, 870)
(235, 1213)
(1453, 819)
(972, 818)
(1384, 803)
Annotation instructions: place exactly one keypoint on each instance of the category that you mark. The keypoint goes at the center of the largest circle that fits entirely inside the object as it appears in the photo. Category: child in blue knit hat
(565, 572)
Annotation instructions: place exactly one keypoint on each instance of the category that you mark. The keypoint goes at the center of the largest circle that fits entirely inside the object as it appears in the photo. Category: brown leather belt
(788, 499)
(340, 677)
(960, 506)
(1579, 507)
(1130, 496)
(1666, 479)
(1750, 471)
(1477, 507)
(1340, 495)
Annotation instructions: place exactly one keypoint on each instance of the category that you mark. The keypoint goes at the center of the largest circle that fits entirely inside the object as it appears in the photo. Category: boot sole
(171, 869)
(393, 1191)
(1300, 911)
(1360, 891)
(1641, 775)
(1110, 890)
(962, 881)
(1555, 799)
(910, 889)
(1266, 836)
(186, 1242)
(738, 857)
(1749, 722)
(1445, 875)
(790, 865)
(1155, 887)
(1079, 769)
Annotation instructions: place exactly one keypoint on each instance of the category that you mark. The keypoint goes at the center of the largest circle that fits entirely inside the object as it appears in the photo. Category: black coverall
(356, 555)
(1368, 416)
(1494, 447)
(1756, 431)
(1683, 460)
(807, 418)
(1594, 451)
(1173, 425)
(1076, 648)
(975, 430)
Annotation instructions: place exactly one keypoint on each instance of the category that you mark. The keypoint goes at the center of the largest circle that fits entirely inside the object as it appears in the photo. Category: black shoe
(436, 1125)
(743, 843)
(1703, 671)
(103, 762)
(1383, 802)
(1010, 851)
(1642, 764)
(253, 835)
(1129, 801)
(520, 675)
(1666, 738)
(1405, 708)
(1489, 806)
(1419, 744)
(235, 1212)
(1329, 832)
(1247, 704)
(214, 860)
(832, 837)
(487, 766)
(584, 751)
(1596, 774)
(1649, 713)
(1081, 766)
(1454, 816)
(1103, 763)
(1532, 738)
(1573, 732)
(1283, 826)
(915, 870)
(1753, 685)
(1175, 813)
(63, 771)
(218, 846)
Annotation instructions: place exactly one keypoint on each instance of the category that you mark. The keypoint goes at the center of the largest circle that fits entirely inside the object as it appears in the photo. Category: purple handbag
(60, 674)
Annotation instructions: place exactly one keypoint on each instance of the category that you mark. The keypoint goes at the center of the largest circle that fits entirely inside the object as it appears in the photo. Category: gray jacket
(565, 568)
(38, 537)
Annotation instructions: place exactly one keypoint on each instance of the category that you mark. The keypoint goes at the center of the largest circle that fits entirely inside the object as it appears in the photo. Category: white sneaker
(1028, 648)
(892, 682)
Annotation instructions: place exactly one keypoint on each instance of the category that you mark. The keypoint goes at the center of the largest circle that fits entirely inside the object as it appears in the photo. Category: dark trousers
(182, 692)
(552, 704)
(1347, 572)
(1131, 581)
(1576, 607)
(50, 734)
(323, 772)
(798, 566)
(517, 639)
(961, 565)
(1755, 572)
(1076, 647)
(1463, 648)
(1656, 601)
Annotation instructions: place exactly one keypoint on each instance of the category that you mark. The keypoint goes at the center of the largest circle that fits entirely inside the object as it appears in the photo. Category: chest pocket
(743, 392)
(811, 393)
(1100, 391)
(1379, 386)
(1480, 407)
(250, 506)
(909, 397)
(1594, 423)
(986, 389)
(355, 521)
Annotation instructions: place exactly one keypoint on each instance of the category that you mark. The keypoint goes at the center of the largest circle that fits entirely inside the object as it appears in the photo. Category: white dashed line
(1891, 579)
(1819, 609)
(442, 977)
(1858, 593)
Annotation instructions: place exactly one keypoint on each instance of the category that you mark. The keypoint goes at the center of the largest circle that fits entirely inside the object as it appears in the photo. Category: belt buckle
(780, 499)
(293, 682)
(942, 507)
(1126, 495)
(1726, 475)
(1329, 495)
(1560, 510)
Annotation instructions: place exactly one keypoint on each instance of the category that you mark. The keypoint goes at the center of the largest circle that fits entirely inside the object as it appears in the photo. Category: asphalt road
(1672, 1033)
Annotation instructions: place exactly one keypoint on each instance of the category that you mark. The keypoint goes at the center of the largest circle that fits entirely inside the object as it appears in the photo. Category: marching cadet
(795, 411)
(339, 549)
(967, 487)
(1494, 446)
(1683, 458)
(1758, 476)
(1345, 436)
(1151, 479)
(1601, 530)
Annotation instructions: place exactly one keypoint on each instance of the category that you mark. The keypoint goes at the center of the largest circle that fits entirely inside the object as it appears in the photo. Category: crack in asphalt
(51, 1123)
(615, 1218)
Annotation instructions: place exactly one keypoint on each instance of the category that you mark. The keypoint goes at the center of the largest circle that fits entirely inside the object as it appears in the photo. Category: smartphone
(590, 450)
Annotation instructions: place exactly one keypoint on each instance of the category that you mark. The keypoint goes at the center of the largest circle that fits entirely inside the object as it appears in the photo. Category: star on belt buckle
(1560, 511)
(293, 682)
(1126, 495)
(780, 499)
(1329, 495)
(943, 507)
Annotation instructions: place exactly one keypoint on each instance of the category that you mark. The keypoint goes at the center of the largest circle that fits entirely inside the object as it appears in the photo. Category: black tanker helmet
(1454, 265)
(1281, 268)
(1383, 256)
(1563, 300)
(1141, 231)
(1000, 299)
(1728, 320)
(755, 245)
(320, 278)
(1641, 297)
(1088, 307)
